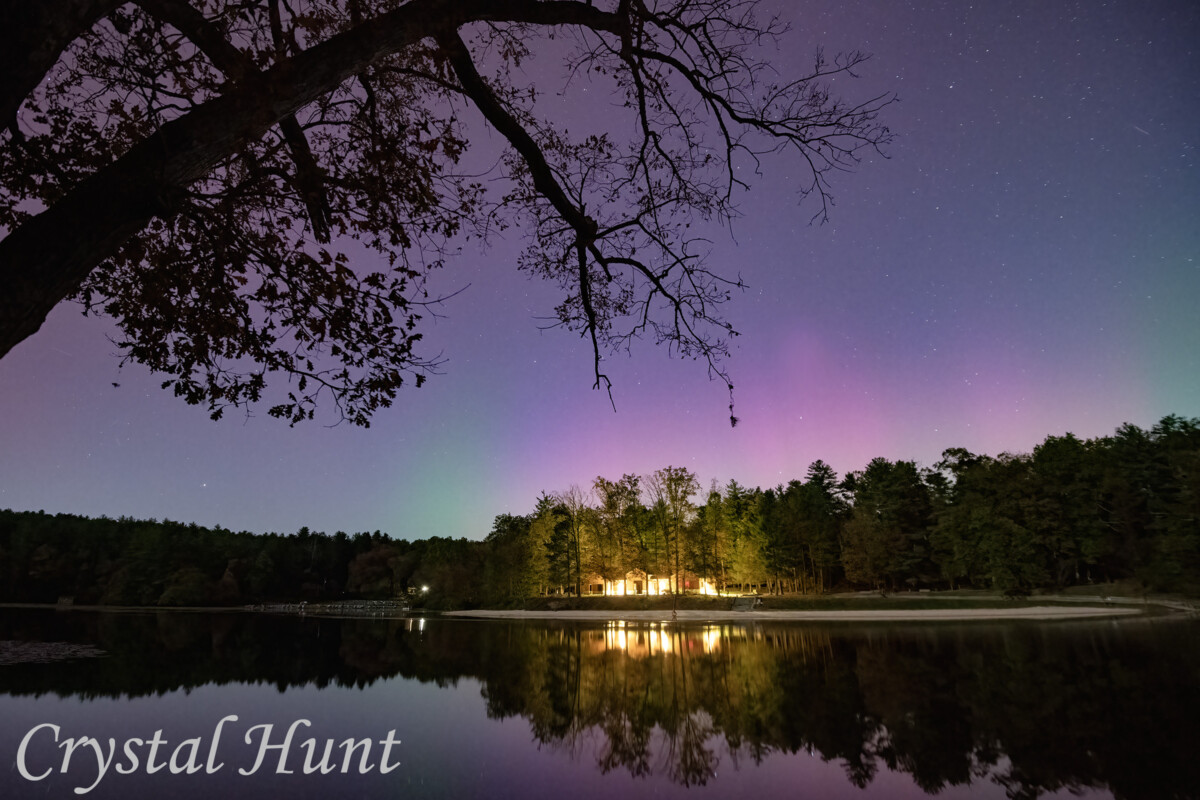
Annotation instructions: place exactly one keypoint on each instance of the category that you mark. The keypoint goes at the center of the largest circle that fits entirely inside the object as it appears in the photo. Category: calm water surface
(457, 708)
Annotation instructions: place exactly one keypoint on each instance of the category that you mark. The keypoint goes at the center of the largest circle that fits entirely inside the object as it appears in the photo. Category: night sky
(1026, 262)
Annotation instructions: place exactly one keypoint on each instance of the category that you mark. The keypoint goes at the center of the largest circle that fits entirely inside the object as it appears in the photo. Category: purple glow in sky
(1026, 262)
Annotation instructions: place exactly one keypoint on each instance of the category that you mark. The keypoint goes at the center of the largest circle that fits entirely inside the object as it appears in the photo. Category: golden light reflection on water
(642, 640)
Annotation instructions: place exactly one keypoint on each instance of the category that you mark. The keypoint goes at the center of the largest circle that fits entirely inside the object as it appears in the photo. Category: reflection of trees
(1032, 708)
(923, 728)
(689, 759)
(152, 653)
(676, 700)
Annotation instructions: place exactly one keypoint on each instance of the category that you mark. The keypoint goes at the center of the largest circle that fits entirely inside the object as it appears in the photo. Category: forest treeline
(1125, 506)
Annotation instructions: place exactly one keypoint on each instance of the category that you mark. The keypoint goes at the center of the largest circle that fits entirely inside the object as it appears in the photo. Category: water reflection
(1019, 710)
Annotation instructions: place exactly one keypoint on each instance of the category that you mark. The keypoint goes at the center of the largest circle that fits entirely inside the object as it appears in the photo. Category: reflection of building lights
(660, 639)
(421, 624)
(614, 636)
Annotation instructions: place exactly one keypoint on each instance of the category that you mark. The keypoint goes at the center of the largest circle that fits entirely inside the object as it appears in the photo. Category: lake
(233, 705)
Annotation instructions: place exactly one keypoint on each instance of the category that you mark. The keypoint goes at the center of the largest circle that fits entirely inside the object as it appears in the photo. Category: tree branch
(33, 34)
(309, 178)
(39, 266)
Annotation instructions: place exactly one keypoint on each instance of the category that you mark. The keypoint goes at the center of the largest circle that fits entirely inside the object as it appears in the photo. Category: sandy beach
(882, 615)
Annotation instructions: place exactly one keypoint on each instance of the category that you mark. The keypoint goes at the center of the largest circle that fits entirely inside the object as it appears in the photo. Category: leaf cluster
(284, 175)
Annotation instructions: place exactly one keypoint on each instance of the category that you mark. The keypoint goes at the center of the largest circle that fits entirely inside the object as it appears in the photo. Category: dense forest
(1125, 506)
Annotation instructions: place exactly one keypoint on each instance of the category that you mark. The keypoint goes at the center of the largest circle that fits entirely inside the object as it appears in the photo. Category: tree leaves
(227, 170)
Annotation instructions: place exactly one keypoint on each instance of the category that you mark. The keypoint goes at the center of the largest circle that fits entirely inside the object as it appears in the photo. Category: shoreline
(1065, 608)
(865, 615)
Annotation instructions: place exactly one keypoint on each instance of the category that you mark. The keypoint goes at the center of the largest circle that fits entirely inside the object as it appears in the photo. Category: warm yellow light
(657, 586)
(615, 637)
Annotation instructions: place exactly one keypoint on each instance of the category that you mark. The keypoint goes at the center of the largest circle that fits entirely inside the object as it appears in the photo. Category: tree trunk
(33, 34)
(48, 257)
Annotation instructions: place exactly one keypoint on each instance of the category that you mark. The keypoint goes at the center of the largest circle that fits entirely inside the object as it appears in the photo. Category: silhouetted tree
(208, 172)
(886, 537)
